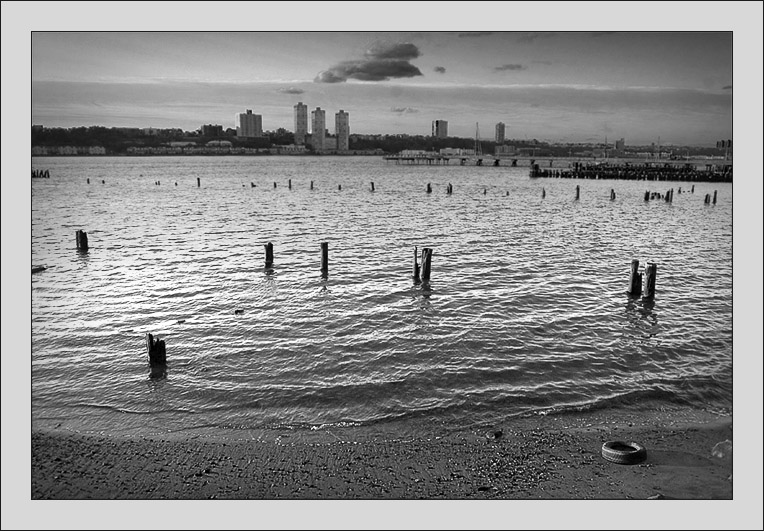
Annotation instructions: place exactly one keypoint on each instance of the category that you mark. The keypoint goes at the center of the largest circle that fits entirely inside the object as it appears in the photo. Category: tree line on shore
(117, 140)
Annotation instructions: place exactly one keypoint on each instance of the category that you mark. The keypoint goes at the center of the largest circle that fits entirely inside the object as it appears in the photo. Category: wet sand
(538, 458)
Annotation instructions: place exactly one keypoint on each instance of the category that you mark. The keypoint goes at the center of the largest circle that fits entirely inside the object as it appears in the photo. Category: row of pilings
(40, 174)
(637, 172)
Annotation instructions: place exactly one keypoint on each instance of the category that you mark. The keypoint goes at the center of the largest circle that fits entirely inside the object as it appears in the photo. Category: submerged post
(429, 188)
(311, 185)
(324, 259)
(417, 280)
(693, 188)
(88, 180)
(198, 182)
(612, 194)
(714, 196)
(426, 262)
(647, 195)
(82, 240)
(650, 272)
(372, 186)
(290, 184)
(635, 279)
(156, 350)
(543, 193)
(578, 192)
(268, 254)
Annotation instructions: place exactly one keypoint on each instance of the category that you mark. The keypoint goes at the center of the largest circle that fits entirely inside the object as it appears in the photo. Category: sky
(665, 87)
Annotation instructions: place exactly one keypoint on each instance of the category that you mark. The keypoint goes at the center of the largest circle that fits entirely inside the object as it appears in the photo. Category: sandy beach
(539, 458)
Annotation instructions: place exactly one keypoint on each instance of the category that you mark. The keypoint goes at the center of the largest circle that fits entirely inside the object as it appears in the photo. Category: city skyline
(647, 87)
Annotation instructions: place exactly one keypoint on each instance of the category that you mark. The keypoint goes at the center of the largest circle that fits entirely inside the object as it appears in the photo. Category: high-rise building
(500, 133)
(440, 128)
(249, 125)
(300, 123)
(342, 130)
(318, 128)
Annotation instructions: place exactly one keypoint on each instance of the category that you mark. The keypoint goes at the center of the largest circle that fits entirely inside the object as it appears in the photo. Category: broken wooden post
(198, 182)
(635, 279)
(311, 185)
(429, 188)
(156, 350)
(693, 188)
(543, 193)
(426, 262)
(714, 196)
(339, 187)
(103, 181)
(290, 184)
(372, 186)
(612, 194)
(88, 180)
(274, 184)
(707, 200)
(324, 259)
(578, 192)
(650, 271)
(82, 240)
(484, 191)
(647, 195)
(417, 280)
(268, 254)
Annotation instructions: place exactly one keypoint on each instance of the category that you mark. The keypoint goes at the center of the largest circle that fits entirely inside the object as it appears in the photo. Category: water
(525, 313)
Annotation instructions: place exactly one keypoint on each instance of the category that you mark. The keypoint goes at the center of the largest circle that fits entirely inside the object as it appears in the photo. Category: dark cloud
(440, 69)
(476, 33)
(371, 70)
(291, 90)
(503, 68)
(403, 110)
(402, 50)
(532, 36)
(727, 87)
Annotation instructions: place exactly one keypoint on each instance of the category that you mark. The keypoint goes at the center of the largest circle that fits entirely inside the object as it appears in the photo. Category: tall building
(440, 128)
(300, 123)
(318, 128)
(342, 130)
(249, 125)
(500, 133)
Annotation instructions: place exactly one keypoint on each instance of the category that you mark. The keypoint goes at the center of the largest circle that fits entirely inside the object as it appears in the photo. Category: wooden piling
(198, 182)
(650, 271)
(426, 262)
(707, 200)
(714, 196)
(693, 188)
(103, 181)
(311, 185)
(647, 195)
(612, 194)
(339, 187)
(429, 188)
(82, 240)
(88, 180)
(543, 193)
(417, 280)
(324, 259)
(485, 191)
(372, 186)
(290, 184)
(156, 350)
(268, 254)
(274, 185)
(578, 192)
(635, 279)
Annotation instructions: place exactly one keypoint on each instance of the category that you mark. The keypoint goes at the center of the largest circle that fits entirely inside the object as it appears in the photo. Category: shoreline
(538, 458)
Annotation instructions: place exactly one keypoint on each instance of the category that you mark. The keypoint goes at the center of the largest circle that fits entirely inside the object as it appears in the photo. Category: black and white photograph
(382, 265)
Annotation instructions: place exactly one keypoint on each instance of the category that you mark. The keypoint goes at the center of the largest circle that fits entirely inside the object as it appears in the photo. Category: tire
(624, 453)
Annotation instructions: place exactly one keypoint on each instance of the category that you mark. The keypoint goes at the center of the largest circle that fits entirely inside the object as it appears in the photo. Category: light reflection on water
(526, 309)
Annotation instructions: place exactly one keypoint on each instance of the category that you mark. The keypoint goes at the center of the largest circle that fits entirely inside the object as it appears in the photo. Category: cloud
(533, 35)
(503, 68)
(384, 62)
(403, 110)
(440, 69)
(401, 50)
(475, 34)
(291, 90)
(727, 87)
